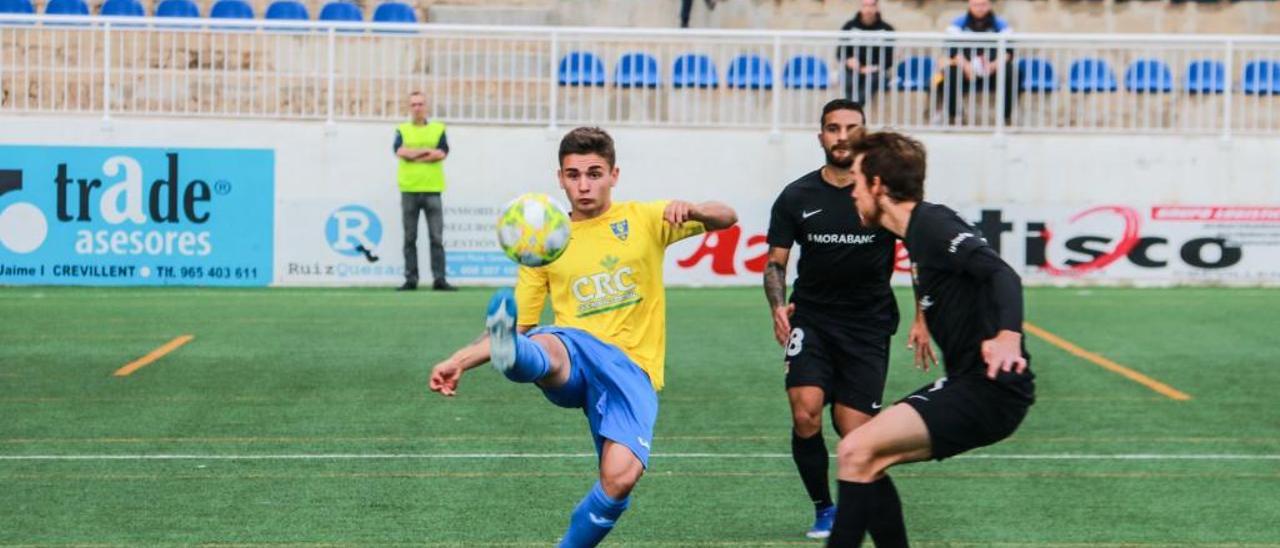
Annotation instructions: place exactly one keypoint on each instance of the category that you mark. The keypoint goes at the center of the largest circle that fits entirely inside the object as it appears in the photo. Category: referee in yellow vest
(421, 147)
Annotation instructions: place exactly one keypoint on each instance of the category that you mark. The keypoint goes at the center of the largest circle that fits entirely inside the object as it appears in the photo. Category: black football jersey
(959, 306)
(844, 268)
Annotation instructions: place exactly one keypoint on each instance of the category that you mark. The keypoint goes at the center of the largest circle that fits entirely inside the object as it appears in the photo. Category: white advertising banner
(1061, 209)
(1139, 244)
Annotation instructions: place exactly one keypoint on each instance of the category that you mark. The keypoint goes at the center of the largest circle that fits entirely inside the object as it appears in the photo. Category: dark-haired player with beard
(972, 303)
(837, 325)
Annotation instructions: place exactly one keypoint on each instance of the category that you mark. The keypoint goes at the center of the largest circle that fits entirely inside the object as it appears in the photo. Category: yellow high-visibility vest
(421, 176)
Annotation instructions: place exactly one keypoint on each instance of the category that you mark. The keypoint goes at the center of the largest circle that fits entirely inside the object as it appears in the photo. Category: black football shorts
(847, 359)
(971, 411)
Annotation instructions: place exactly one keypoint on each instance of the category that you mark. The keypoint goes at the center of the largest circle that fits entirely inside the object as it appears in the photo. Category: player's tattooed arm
(775, 277)
(775, 290)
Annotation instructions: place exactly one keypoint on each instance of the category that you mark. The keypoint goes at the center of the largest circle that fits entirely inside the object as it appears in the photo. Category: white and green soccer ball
(533, 230)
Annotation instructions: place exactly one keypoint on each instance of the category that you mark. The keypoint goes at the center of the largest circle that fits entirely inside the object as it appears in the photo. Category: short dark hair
(588, 140)
(898, 160)
(841, 104)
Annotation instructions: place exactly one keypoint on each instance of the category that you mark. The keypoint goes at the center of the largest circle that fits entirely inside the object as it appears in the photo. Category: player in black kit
(837, 326)
(972, 303)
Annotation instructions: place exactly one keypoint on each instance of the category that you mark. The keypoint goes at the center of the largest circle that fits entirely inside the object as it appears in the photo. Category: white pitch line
(479, 456)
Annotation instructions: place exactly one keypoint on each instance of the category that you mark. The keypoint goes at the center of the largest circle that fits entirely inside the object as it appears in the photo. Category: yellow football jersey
(609, 281)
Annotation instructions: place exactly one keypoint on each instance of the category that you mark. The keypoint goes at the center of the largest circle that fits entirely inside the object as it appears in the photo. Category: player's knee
(555, 350)
(858, 460)
(807, 422)
(618, 482)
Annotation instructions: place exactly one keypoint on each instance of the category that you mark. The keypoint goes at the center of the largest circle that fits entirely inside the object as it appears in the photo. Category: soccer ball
(533, 230)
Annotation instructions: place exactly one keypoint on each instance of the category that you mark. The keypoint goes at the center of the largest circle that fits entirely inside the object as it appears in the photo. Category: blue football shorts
(615, 394)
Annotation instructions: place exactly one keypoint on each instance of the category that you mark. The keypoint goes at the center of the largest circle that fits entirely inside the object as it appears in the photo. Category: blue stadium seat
(805, 72)
(914, 74)
(123, 8)
(63, 7)
(581, 68)
(1036, 75)
(694, 70)
(177, 8)
(1148, 76)
(17, 6)
(1205, 76)
(394, 12)
(637, 70)
(231, 9)
(1091, 75)
(749, 71)
(341, 11)
(1261, 78)
(287, 10)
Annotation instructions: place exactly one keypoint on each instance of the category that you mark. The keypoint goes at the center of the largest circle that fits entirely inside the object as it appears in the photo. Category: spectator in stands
(972, 68)
(421, 147)
(866, 66)
(686, 6)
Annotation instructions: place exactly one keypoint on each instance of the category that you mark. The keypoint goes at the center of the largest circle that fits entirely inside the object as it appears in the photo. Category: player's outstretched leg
(868, 499)
(593, 518)
(596, 515)
(514, 354)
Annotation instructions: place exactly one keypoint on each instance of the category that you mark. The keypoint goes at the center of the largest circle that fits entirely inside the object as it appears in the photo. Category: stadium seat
(581, 68)
(637, 70)
(1091, 75)
(394, 12)
(1261, 77)
(749, 71)
(694, 70)
(1148, 76)
(66, 7)
(177, 8)
(123, 8)
(17, 6)
(231, 9)
(341, 10)
(914, 74)
(805, 72)
(1205, 76)
(287, 10)
(1036, 75)
(63, 7)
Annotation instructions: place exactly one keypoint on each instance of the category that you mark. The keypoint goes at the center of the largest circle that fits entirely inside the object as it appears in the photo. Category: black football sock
(887, 527)
(810, 455)
(857, 503)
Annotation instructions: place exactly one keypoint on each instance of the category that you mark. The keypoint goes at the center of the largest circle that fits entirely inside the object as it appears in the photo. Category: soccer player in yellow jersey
(606, 351)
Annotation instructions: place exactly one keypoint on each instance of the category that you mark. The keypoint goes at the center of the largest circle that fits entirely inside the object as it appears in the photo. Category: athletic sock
(810, 455)
(532, 362)
(887, 527)
(593, 518)
(857, 500)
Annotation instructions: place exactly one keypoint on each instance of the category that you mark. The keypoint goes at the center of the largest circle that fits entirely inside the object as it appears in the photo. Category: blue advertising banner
(136, 216)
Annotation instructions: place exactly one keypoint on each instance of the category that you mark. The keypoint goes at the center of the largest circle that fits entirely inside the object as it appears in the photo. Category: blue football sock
(532, 362)
(593, 518)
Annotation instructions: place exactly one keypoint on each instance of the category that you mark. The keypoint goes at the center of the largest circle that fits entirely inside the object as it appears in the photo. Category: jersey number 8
(796, 344)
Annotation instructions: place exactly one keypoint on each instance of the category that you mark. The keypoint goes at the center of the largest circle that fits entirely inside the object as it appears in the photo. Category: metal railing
(639, 77)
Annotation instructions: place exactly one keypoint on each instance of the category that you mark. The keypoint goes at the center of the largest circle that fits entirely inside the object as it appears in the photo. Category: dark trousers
(410, 204)
(861, 87)
(686, 6)
(956, 85)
